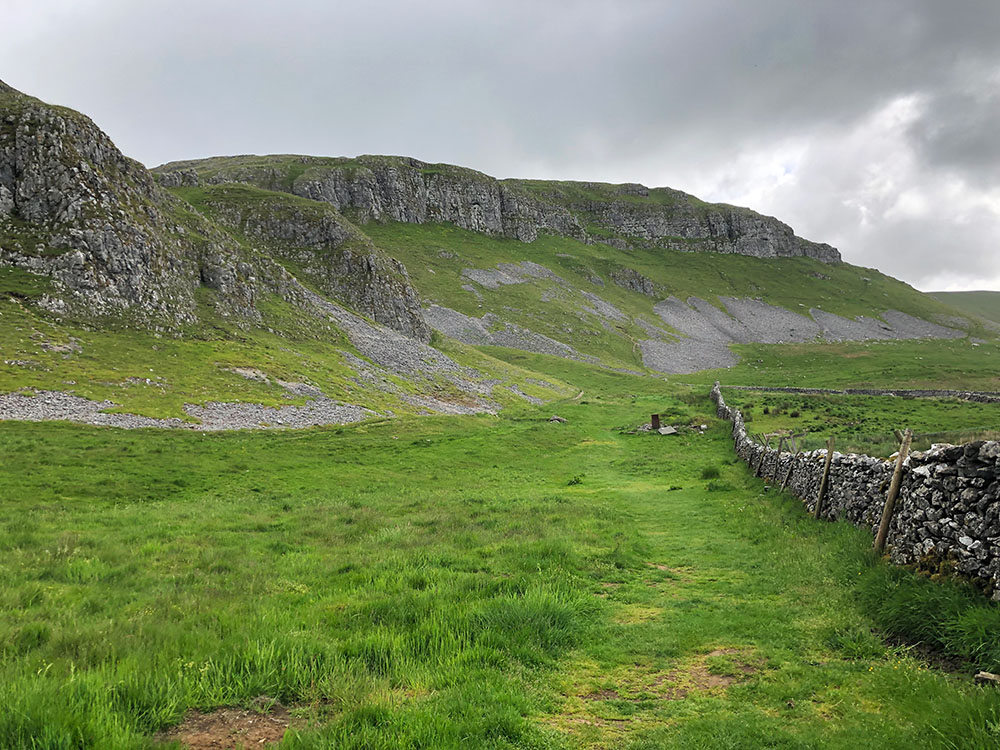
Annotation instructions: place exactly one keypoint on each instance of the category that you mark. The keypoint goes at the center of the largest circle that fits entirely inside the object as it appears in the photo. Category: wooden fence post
(791, 468)
(763, 455)
(890, 501)
(777, 461)
(826, 478)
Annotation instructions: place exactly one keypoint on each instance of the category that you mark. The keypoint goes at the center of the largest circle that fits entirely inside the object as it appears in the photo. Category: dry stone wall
(948, 507)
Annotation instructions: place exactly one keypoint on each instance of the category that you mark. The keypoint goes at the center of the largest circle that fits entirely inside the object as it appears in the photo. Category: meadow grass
(866, 424)
(984, 304)
(449, 582)
(955, 364)
(155, 375)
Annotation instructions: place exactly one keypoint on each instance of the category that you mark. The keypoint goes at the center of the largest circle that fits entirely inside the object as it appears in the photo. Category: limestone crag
(378, 188)
(327, 249)
(74, 208)
(115, 243)
(634, 281)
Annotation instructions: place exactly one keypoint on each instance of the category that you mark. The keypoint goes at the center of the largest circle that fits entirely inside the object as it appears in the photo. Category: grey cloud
(959, 131)
(639, 90)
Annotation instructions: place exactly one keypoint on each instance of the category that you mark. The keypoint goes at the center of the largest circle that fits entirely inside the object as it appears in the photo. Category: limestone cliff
(73, 207)
(320, 246)
(400, 189)
(116, 244)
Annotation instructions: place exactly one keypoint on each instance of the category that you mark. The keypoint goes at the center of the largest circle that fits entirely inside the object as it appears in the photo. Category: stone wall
(948, 507)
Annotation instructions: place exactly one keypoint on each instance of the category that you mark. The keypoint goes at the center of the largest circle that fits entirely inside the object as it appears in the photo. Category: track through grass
(446, 582)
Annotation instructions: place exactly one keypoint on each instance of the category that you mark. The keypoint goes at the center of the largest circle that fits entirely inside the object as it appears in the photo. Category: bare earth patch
(601, 695)
(597, 702)
(700, 676)
(230, 729)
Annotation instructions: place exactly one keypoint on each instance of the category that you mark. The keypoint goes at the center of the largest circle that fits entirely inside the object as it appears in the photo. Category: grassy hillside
(155, 375)
(957, 364)
(436, 255)
(984, 304)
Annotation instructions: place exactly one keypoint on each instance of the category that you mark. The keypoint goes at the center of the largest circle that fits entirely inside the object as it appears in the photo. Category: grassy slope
(447, 582)
(865, 424)
(794, 283)
(984, 304)
(951, 364)
(195, 368)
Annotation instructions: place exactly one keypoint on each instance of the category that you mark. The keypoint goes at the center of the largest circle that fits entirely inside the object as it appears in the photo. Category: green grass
(948, 617)
(866, 424)
(480, 582)
(444, 582)
(984, 304)
(116, 363)
(948, 364)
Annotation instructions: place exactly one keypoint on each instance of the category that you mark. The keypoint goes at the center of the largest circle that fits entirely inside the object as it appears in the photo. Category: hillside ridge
(404, 189)
(984, 304)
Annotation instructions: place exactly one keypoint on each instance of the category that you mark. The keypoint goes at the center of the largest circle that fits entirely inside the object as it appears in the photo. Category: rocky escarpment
(74, 208)
(115, 244)
(322, 247)
(408, 190)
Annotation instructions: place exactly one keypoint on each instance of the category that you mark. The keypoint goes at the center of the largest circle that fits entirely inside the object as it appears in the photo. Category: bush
(710, 472)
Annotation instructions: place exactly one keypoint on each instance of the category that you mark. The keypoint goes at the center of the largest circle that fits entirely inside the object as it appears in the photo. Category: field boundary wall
(948, 507)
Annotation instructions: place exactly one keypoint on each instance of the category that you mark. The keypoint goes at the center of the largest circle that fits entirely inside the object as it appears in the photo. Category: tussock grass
(947, 616)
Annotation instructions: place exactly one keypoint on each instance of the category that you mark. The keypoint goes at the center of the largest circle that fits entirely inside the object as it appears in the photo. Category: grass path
(445, 582)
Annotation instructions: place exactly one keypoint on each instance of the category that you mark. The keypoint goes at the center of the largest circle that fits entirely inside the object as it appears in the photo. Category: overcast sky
(873, 125)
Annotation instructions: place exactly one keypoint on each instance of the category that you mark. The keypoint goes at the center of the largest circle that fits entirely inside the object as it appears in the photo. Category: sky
(871, 125)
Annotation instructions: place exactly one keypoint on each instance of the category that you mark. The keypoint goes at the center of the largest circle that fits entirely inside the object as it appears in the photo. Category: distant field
(953, 364)
(984, 304)
(865, 424)
(455, 582)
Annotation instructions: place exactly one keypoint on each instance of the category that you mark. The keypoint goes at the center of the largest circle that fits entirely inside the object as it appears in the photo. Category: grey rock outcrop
(407, 190)
(116, 244)
(327, 249)
(75, 209)
(634, 281)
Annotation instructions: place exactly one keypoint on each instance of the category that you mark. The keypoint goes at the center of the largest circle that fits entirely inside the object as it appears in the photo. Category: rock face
(72, 207)
(325, 248)
(407, 190)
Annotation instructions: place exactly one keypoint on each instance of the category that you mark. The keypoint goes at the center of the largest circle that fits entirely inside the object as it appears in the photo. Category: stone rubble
(213, 416)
